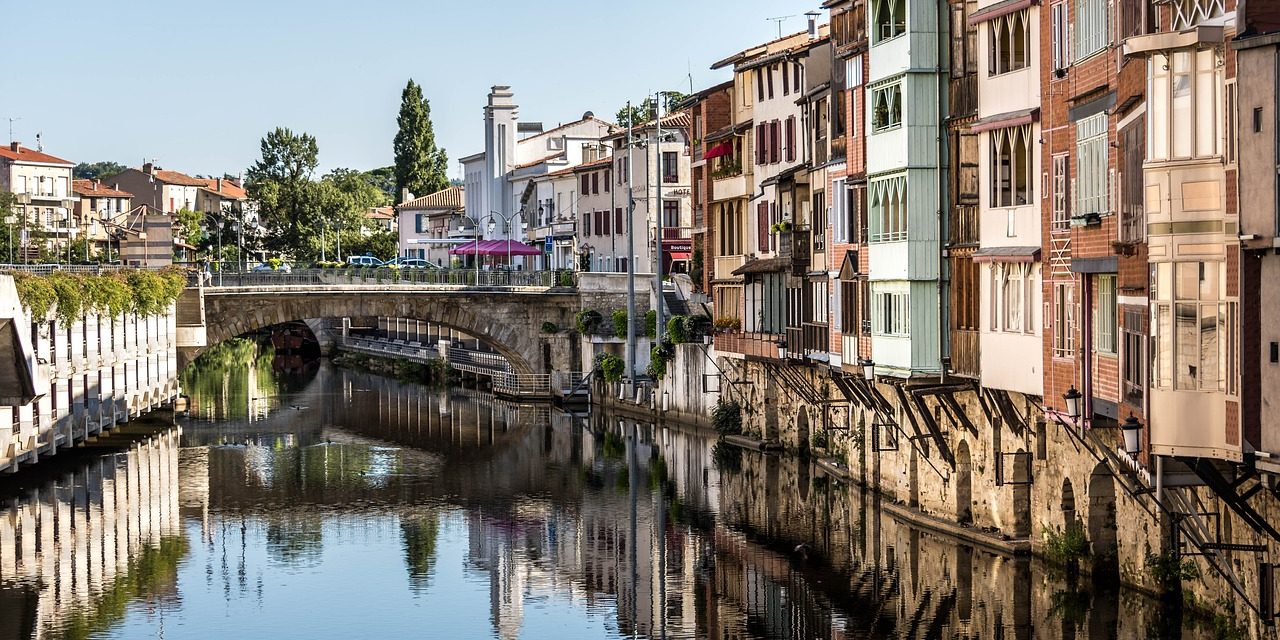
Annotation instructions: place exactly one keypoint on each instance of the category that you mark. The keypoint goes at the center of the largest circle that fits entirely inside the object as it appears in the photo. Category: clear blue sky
(195, 85)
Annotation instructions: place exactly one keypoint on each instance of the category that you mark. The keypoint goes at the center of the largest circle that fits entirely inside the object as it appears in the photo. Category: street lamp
(24, 199)
(475, 243)
(9, 221)
(1072, 398)
(506, 227)
(782, 349)
(67, 206)
(868, 369)
(1132, 430)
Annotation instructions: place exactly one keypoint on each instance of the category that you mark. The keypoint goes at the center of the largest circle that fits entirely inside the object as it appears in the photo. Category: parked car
(364, 261)
(283, 268)
(417, 263)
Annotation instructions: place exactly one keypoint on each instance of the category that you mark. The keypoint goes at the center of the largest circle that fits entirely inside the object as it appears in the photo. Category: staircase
(675, 305)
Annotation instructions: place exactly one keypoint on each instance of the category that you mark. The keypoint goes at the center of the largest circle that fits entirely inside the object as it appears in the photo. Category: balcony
(966, 354)
(729, 187)
(677, 233)
(809, 337)
(726, 265)
(795, 246)
(964, 226)
(757, 345)
(849, 28)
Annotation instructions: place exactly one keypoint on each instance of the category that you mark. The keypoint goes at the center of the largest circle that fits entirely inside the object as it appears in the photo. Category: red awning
(494, 248)
(678, 255)
(722, 149)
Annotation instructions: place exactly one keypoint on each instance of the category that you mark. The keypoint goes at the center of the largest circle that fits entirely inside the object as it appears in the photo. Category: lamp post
(868, 369)
(9, 221)
(506, 227)
(24, 199)
(67, 206)
(475, 243)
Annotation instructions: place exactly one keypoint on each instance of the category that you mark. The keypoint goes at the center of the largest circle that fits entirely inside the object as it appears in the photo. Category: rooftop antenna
(11, 121)
(780, 20)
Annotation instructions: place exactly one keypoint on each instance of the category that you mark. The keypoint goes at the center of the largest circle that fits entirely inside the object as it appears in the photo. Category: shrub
(1066, 546)
(651, 323)
(612, 367)
(659, 356)
(727, 323)
(36, 294)
(819, 440)
(550, 327)
(1169, 570)
(677, 329)
(566, 278)
(587, 321)
(620, 320)
(726, 417)
(71, 296)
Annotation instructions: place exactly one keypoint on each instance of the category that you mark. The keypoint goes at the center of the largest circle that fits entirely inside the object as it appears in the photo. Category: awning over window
(763, 265)
(1007, 254)
(678, 255)
(722, 149)
(1003, 8)
(1008, 119)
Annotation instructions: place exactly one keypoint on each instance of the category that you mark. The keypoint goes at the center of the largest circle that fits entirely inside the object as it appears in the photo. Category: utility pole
(631, 262)
(657, 216)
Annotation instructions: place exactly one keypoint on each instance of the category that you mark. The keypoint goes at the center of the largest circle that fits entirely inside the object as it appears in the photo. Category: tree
(420, 167)
(384, 178)
(97, 170)
(280, 184)
(190, 225)
(638, 114)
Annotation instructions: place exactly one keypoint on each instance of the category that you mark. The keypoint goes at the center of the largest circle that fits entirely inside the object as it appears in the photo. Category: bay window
(1185, 103)
(1192, 336)
(1008, 43)
(1011, 166)
(888, 206)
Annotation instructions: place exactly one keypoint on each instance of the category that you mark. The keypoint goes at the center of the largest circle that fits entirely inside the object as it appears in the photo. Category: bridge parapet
(454, 278)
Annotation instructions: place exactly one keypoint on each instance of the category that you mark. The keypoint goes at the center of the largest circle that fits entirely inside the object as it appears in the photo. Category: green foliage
(726, 417)
(383, 245)
(420, 166)
(1066, 546)
(383, 179)
(635, 115)
(280, 183)
(550, 327)
(190, 226)
(651, 323)
(696, 264)
(727, 323)
(676, 329)
(1169, 570)
(1070, 606)
(70, 296)
(565, 279)
(587, 321)
(612, 367)
(620, 322)
(782, 226)
(819, 440)
(659, 357)
(97, 170)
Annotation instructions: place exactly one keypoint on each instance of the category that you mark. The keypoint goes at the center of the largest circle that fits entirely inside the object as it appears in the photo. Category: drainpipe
(944, 329)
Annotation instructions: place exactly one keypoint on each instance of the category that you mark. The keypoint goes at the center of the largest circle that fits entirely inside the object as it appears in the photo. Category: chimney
(219, 185)
(148, 169)
(405, 196)
(813, 24)
(15, 146)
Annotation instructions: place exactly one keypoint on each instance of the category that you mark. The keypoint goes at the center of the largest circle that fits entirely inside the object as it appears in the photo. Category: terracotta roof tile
(450, 198)
(229, 189)
(178, 178)
(24, 154)
(95, 189)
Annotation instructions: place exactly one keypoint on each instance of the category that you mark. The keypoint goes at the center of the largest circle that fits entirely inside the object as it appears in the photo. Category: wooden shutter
(762, 227)
(791, 139)
(775, 142)
(604, 217)
(617, 219)
(762, 156)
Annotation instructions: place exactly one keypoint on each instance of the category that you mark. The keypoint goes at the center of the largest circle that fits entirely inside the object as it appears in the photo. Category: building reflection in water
(452, 511)
(78, 545)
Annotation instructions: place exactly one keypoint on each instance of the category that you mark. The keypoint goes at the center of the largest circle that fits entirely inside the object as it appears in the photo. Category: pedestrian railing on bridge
(383, 276)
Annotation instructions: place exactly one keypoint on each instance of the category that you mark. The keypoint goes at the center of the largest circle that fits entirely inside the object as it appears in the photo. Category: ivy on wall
(71, 296)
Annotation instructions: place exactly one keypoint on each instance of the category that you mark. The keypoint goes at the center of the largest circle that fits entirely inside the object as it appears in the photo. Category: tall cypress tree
(421, 167)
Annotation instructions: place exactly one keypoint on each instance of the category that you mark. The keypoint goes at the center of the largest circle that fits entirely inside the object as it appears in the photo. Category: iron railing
(375, 276)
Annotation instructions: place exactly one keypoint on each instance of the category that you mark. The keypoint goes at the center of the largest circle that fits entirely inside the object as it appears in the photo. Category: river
(328, 503)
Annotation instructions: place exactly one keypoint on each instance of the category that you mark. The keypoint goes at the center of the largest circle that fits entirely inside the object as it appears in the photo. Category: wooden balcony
(757, 345)
(725, 266)
(966, 353)
(809, 337)
(964, 226)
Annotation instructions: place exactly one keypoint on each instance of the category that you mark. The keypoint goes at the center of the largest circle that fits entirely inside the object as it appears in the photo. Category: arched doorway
(1022, 494)
(964, 484)
(1102, 522)
(1068, 504)
(802, 432)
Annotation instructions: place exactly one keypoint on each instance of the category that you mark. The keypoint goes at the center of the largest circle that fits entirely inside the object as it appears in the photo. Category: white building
(502, 195)
(1009, 197)
(430, 225)
(636, 177)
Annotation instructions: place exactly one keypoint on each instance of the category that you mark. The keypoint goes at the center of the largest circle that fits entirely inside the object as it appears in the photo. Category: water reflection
(358, 506)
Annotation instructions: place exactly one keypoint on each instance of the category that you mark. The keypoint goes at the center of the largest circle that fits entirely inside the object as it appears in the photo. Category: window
(618, 227)
(886, 107)
(775, 142)
(819, 223)
(1191, 335)
(769, 79)
(1090, 27)
(1012, 299)
(1133, 358)
(841, 224)
(1011, 166)
(1232, 134)
(607, 179)
(671, 214)
(889, 18)
(1061, 39)
(1061, 220)
(1009, 43)
(786, 78)
(1064, 320)
(848, 306)
(891, 314)
(730, 229)
(1104, 316)
(595, 184)
(586, 222)
(586, 183)
(1185, 105)
(1189, 13)
(798, 72)
(762, 227)
(419, 221)
(888, 209)
(1091, 165)
(670, 167)
(760, 83)
(603, 223)
(555, 144)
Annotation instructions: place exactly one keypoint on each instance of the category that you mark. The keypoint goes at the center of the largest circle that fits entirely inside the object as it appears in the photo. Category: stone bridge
(508, 319)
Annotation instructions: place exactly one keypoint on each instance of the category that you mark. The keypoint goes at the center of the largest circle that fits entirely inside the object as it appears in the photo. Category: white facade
(1009, 199)
(636, 177)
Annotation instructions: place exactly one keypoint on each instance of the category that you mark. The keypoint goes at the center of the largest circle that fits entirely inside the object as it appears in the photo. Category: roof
(783, 54)
(95, 189)
(224, 188)
(177, 177)
(606, 123)
(381, 213)
(760, 49)
(763, 265)
(538, 161)
(23, 154)
(695, 98)
(672, 121)
(1007, 254)
(453, 197)
(595, 164)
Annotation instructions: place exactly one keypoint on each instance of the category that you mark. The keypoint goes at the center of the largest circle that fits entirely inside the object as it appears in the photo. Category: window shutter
(760, 83)
(604, 218)
(617, 219)
(760, 144)
(586, 183)
(775, 143)
(762, 226)
(791, 139)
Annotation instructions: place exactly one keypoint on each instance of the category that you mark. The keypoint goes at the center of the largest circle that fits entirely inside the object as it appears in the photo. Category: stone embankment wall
(993, 462)
(85, 376)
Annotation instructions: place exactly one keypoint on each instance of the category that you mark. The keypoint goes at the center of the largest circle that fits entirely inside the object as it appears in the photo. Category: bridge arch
(508, 321)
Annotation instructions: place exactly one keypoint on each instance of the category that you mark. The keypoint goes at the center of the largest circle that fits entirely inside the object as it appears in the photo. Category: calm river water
(327, 503)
